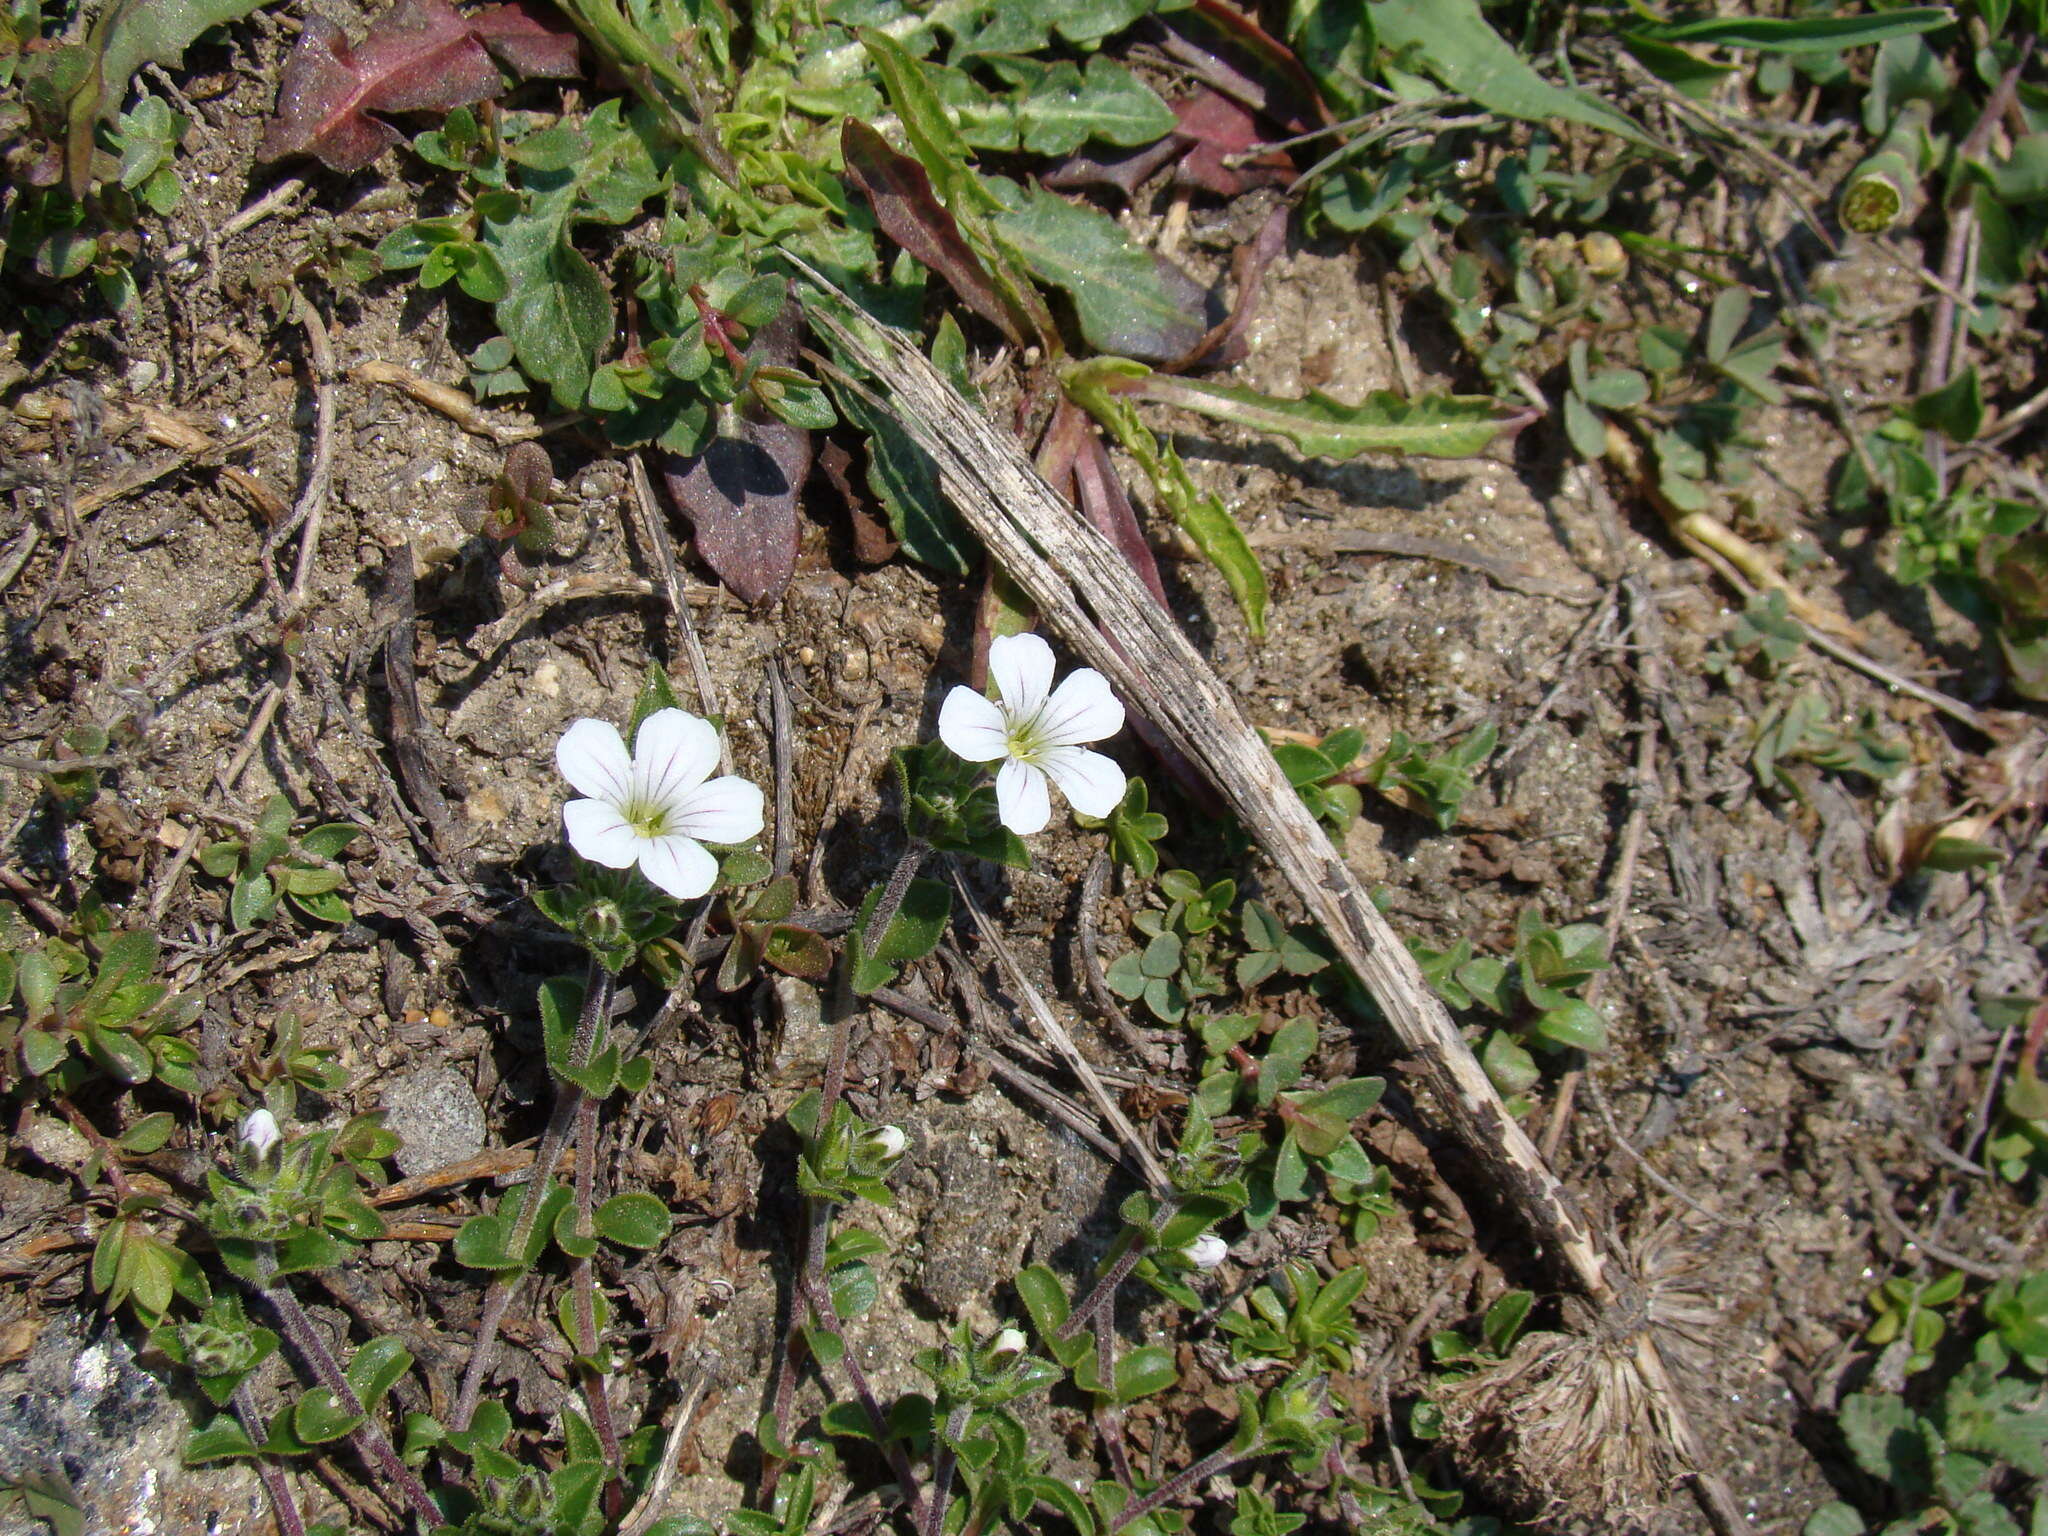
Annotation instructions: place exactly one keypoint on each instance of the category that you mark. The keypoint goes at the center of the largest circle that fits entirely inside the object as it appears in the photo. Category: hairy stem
(289, 1521)
(1109, 1417)
(818, 1213)
(877, 927)
(943, 1458)
(368, 1437)
(583, 1283)
(1103, 1292)
(1188, 1477)
(597, 1000)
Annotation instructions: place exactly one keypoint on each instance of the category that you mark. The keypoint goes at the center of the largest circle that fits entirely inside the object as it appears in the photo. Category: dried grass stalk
(1094, 602)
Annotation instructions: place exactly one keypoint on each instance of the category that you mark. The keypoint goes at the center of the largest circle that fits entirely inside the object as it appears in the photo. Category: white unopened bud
(1206, 1251)
(1006, 1346)
(887, 1142)
(259, 1132)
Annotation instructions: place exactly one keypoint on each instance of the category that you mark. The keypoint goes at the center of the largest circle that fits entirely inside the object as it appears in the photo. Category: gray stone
(78, 1412)
(436, 1117)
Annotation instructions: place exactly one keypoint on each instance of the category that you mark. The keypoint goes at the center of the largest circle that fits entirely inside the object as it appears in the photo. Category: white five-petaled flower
(259, 1131)
(1039, 732)
(653, 806)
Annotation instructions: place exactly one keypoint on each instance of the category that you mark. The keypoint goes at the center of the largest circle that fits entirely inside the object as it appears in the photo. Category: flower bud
(1206, 1251)
(604, 925)
(259, 1132)
(1005, 1347)
(883, 1146)
(887, 1141)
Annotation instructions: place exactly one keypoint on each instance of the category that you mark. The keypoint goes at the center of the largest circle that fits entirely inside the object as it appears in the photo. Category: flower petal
(679, 865)
(1022, 668)
(592, 756)
(972, 728)
(726, 810)
(1091, 782)
(673, 753)
(1021, 798)
(598, 832)
(1081, 709)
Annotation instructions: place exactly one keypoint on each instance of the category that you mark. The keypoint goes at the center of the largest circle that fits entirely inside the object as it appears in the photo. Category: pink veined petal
(1022, 802)
(673, 753)
(1081, 709)
(678, 865)
(592, 756)
(598, 832)
(1092, 783)
(1022, 668)
(972, 728)
(726, 810)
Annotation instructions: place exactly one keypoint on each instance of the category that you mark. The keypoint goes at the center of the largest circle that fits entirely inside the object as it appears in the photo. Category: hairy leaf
(86, 82)
(558, 313)
(1454, 42)
(1128, 300)
(1435, 426)
(1806, 34)
(421, 55)
(1093, 386)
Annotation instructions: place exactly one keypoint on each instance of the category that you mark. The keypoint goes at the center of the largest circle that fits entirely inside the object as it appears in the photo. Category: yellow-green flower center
(648, 818)
(1024, 742)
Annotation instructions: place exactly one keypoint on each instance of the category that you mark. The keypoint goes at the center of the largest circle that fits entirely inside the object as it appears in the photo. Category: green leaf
(927, 127)
(1510, 1066)
(1956, 410)
(320, 1417)
(569, 1237)
(1807, 34)
(1452, 40)
(1575, 1023)
(1281, 1066)
(558, 311)
(92, 77)
(919, 923)
(148, 1134)
(1201, 516)
(1128, 303)
(1434, 426)
(1504, 1320)
(633, 1220)
(1065, 107)
(1044, 1297)
(253, 901)
(481, 1243)
(1143, 1371)
(217, 1440)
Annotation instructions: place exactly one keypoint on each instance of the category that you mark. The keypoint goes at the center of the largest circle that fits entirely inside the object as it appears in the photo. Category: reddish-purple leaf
(421, 56)
(1232, 53)
(1225, 343)
(911, 214)
(1126, 172)
(1216, 129)
(740, 493)
(740, 496)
